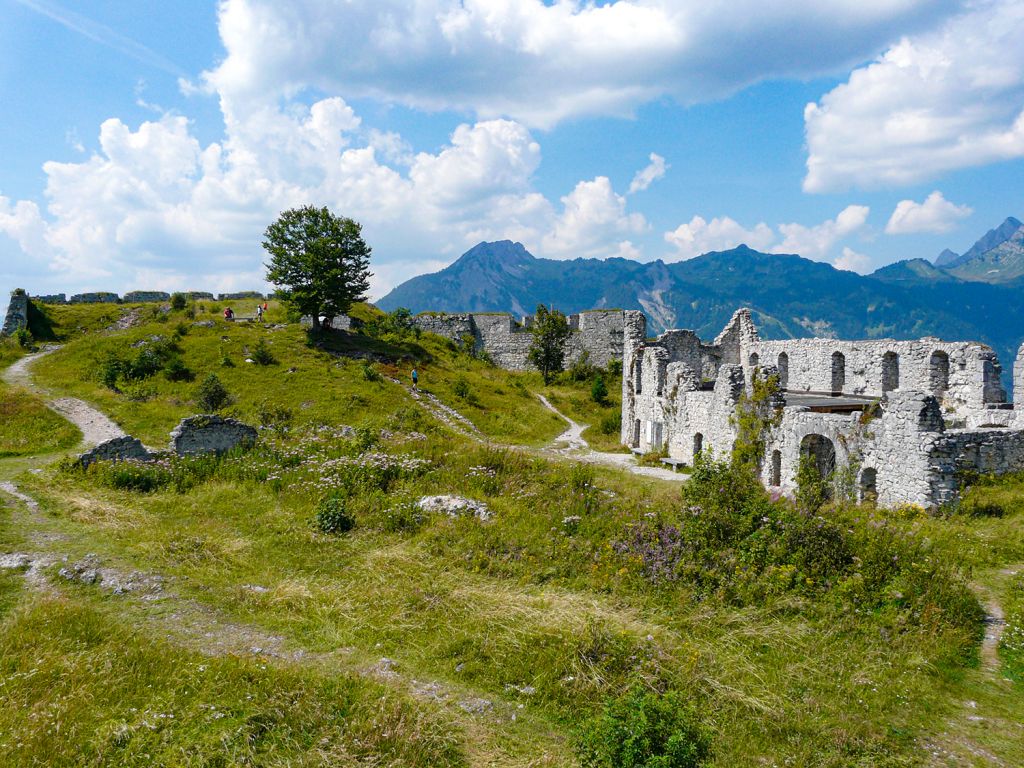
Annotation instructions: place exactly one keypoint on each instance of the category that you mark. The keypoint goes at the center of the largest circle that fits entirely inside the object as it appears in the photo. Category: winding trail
(572, 444)
(96, 427)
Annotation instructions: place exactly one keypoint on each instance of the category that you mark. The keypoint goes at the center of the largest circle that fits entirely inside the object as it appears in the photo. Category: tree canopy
(319, 261)
(547, 352)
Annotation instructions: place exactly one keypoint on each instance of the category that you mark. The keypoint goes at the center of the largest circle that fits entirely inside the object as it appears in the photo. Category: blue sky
(147, 145)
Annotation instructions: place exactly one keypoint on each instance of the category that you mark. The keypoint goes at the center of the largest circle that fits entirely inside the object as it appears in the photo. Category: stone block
(210, 434)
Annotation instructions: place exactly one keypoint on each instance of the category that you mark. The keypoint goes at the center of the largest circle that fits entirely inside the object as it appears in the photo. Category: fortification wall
(17, 315)
(210, 434)
(597, 334)
(140, 297)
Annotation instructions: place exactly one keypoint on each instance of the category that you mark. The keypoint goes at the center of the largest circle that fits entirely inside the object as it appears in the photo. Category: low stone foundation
(210, 434)
(118, 449)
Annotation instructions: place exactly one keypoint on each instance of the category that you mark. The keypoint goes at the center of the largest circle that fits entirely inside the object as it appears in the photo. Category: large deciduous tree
(547, 352)
(319, 261)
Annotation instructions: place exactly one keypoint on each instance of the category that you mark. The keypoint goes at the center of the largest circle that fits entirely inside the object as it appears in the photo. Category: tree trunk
(316, 319)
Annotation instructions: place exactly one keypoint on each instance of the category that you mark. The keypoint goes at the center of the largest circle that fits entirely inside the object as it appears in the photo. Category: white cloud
(816, 242)
(852, 261)
(541, 62)
(649, 174)
(934, 102)
(812, 242)
(700, 236)
(936, 214)
(592, 219)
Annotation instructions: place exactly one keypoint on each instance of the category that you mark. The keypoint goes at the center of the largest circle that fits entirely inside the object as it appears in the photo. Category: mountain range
(974, 296)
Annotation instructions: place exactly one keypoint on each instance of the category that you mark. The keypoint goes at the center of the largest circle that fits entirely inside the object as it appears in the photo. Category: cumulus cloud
(851, 261)
(812, 242)
(592, 219)
(936, 214)
(649, 174)
(933, 102)
(541, 62)
(700, 236)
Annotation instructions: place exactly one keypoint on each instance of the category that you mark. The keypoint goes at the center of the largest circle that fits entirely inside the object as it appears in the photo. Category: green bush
(644, 729)
(273, 416)
(176, 370)
(179, 301)
(24, 338)
(261, 354)
(598, 391)
(610, 424)
(332, 516)
(370, 373)
(212, 395)
(461, 389)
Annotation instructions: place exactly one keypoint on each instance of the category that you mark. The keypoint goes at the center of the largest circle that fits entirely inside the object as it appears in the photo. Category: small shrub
(261, 354)
(610, 424)
(139, 393)
(598, 391)
(212, 395)
(644, 729)
(581, 369)
(176, 370)
(109, 369)
(276, 417)
(461, 388)
(181, 330)
(178, 301)
(614, 368)
(332, 517)
(226, 361)
(370, 373)
(24, 337)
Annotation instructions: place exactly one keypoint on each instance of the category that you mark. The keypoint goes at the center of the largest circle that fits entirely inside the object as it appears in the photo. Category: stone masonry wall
(598, 334)
(210, 434)
(118, 449)
(17, 315)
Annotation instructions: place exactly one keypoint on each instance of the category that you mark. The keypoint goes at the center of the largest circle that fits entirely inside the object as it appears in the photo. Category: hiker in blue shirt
(415, 378)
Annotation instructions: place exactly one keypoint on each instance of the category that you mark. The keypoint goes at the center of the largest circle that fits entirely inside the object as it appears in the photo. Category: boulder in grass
(455, 506)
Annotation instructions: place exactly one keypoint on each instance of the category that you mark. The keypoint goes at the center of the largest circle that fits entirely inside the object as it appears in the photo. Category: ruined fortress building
(909, 416)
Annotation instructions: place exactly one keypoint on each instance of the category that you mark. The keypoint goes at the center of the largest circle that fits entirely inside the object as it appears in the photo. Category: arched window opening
(698, 445)
(783, 370)
(890, 372)
(638, 375)
(869, 485)
(938, 373)
(822, 453)
(636, 433)
(754, 360)
(838, 372)
(776, 478)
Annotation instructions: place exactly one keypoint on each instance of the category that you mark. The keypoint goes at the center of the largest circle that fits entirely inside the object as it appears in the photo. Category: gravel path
(571, 442)
(96, 427)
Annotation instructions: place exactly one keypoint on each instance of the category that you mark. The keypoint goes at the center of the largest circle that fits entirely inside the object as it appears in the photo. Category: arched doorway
(938, 373)
(838, 372)
(869, 485)
(783, 365)
(890, 372)
(821, 450)
(776, 478)
(698, 445)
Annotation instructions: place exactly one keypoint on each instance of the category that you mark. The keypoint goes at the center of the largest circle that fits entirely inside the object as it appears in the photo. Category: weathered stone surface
(118, 449)
(210, 434)
(455, 506)
(52, 298)
(17, 315)
(596, 334)
(133, 297)
(100, 297)
(906, 418)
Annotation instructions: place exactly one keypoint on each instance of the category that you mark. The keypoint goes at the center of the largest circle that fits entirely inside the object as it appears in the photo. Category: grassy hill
(210, 620)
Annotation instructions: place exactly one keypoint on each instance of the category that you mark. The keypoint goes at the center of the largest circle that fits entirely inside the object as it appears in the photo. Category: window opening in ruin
(822, 450)
(776, 478)
(992, 389)
(890, 372)
(638, 372)
(636, 433)
(869, 485)
(783, 370)
(698, 445)
(938, 373)
(754, 359)
(838, 372)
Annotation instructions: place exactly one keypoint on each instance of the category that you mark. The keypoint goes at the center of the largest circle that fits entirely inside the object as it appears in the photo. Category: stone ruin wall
(598, 333)
(143, 297)
(17, 315)
(915, 451)
(210, 434)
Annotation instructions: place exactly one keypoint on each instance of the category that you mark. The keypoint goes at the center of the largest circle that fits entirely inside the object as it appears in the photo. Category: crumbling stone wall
(51, 298)
(598, 334)
(137, 297)
(240, 295)
(210, 434)
(117, 449)
(100, 297)
(930, 427)
(17, 315)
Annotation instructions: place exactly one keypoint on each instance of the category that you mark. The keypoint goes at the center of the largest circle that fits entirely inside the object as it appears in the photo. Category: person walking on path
(259, 313)
(415, 379)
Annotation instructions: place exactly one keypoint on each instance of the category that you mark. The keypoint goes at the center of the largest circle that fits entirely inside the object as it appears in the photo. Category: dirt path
(96, 427)
(571, 443)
